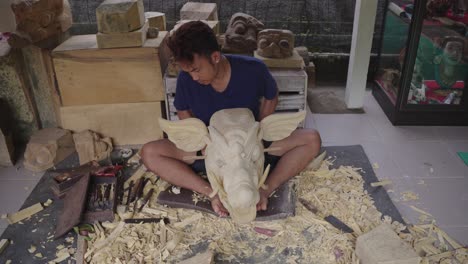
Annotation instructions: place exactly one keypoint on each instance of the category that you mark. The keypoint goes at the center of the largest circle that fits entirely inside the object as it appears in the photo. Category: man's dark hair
(194, 37)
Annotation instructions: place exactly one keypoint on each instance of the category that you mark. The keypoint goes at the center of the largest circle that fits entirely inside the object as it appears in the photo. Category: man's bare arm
(267, 107)
(184, 114)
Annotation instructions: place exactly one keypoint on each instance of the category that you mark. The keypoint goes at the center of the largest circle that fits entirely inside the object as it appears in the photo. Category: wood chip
(25, 213)
(381, 183)
(32, 249)
(4, 244)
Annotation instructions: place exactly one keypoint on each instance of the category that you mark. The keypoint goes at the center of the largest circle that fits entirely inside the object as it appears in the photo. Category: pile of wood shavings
(304, 238)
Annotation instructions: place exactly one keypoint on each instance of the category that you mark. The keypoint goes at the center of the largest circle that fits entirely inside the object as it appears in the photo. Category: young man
(211, 81)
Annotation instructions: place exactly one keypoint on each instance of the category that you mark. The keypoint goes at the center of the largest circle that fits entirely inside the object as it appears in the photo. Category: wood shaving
(48, 202)
(32, 249)
(409, 196)
(381, 183)
(339, 192)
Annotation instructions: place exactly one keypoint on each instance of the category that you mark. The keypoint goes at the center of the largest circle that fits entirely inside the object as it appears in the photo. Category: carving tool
(146, 220)
(146, 199)
(337, 223)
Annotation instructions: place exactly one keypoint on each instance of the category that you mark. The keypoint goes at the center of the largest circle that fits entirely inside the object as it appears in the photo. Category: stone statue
(234, 152)
(275, 43)
(241, 33)
(38, 20)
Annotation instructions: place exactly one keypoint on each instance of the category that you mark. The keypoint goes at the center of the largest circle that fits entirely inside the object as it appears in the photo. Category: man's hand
(262, 205)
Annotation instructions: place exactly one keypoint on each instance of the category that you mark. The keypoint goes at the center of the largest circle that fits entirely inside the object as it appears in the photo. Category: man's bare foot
(218, 207)
(262, 205)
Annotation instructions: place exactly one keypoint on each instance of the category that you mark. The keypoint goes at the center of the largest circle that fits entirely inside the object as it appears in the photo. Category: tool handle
(338, 224)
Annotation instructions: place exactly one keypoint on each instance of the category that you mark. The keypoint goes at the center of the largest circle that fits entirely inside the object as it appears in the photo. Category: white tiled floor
(422, 160)
(418, 159)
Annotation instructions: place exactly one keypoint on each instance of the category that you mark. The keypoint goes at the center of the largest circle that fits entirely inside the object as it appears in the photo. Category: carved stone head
(241, 33)
(275, 43)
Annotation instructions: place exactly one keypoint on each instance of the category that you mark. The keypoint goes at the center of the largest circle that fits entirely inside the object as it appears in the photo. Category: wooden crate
(126, 124)
(292, 86)
(87, 75)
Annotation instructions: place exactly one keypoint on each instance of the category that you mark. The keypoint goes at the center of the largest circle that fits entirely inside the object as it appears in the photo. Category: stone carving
(275, 43)
(48, 147)
(90, 146)
(241, 33)
(38, 20)
(234, 152)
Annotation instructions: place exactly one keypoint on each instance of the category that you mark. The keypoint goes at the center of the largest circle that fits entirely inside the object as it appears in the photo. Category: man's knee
(312, 137)
(152, 150)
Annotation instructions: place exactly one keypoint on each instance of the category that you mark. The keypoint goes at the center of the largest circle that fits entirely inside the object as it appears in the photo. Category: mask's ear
(279, 126)
(188, 134)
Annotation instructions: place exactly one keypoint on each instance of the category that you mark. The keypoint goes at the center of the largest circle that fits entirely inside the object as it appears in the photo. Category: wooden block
(122, 40)
(87, 75)
(48, 147)
(383, 246)
(201, 258)
(214, 24)
(156, 19)
(199, 11)
(295, 61)
(120, 16)
(25, 213)
(126, 124)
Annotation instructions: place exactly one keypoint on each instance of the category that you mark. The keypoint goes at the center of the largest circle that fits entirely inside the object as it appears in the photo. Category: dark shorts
(199, 165)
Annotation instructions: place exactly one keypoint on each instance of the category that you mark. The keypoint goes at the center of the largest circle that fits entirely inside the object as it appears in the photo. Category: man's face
(202, 69)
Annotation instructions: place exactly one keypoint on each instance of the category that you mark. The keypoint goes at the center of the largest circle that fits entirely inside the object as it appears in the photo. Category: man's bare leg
(164, 159)
(296, 152)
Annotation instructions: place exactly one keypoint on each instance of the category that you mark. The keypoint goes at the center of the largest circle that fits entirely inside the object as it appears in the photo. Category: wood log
(120, 16)
(199, 11)
(156, 19)
(87, 75)
(126, 124)
(122, 40)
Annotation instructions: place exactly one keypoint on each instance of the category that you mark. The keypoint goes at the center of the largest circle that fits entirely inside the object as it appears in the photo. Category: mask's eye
(240, 29)
(263, 43)
(284, 44)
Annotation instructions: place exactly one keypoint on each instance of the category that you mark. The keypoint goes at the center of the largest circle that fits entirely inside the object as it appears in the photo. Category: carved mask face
(275, 43)
(241, 34)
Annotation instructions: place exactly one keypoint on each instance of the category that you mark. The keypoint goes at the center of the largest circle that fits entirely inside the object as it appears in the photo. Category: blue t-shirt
(250, 81)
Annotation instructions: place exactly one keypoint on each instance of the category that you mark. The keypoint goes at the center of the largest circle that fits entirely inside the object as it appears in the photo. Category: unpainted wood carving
(234, 152)
(47, 147)
(90, 146)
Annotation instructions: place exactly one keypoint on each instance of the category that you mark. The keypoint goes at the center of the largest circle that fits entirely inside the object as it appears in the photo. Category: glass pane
(397, 24)
(441, 71)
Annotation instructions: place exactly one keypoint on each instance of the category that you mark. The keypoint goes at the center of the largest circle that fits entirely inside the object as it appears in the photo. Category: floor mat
(38, 229)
